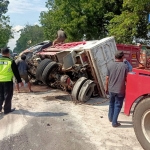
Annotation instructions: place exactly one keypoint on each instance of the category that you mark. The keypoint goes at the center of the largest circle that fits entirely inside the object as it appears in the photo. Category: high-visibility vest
(6, 73)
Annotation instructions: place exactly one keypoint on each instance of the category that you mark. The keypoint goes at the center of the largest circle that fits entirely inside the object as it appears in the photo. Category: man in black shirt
(115, 85)
(8, 69)
(23, 68)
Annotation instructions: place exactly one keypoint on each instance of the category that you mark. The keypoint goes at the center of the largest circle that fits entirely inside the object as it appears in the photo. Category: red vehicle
(132, 53)
(138, 100)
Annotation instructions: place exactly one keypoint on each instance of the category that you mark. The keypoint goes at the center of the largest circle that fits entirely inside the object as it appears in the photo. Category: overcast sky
(24, 12)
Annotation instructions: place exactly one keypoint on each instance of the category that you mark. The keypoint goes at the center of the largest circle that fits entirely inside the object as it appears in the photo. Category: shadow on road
(59, 97)
(97, 101)
(39, 114)
(126, 124)
(1, 116)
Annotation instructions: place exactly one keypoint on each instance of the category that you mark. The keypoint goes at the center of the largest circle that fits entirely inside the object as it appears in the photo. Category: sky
(24, 12)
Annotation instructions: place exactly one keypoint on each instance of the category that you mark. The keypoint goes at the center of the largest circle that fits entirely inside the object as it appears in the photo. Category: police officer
(8, 69)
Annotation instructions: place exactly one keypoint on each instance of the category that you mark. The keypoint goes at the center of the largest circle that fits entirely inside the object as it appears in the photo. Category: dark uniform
(8, 69)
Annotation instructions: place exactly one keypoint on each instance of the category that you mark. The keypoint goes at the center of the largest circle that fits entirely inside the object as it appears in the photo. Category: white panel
(102, 55)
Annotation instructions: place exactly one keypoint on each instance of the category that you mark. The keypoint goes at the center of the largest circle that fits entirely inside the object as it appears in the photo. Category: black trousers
(6, 94)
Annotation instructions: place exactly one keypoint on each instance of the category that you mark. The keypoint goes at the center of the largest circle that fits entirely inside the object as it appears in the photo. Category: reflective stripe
(3, 63)
(6, 73)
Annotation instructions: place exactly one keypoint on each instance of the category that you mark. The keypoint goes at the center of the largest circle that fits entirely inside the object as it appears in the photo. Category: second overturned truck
(78, 67)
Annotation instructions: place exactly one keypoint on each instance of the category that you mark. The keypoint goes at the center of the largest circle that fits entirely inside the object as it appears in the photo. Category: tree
(79, 18)
(5, 28)
(132, 22)
(30, 35)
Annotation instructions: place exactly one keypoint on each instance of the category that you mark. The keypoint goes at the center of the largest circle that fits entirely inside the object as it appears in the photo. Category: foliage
(3, 7)
(79, 18)
(132, 22)
(5, 28)
(30, 35)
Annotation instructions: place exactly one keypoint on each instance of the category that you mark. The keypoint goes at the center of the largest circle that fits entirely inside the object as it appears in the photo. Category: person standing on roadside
(23, 68)
(115, 85)
(61, 36)
(8, 69)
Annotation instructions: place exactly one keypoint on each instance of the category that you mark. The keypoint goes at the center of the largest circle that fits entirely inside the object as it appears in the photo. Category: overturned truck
(78, 67)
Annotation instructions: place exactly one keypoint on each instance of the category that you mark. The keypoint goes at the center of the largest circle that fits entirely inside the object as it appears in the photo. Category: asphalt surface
(48, 120)
(47, 133)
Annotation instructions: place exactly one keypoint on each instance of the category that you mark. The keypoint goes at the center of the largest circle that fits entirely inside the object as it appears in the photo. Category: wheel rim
(53, 74)
(53, 77)
(146, 125)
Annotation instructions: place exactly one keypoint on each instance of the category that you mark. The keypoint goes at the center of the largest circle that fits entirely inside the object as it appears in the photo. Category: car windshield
(32, 49)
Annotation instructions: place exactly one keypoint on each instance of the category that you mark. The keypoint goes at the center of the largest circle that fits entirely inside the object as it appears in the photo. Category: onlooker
(115, 85)
(8, 69)
(61, 36)
(23, 68)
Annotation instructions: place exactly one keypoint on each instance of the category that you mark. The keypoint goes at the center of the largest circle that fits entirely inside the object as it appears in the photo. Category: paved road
(49, 121)
(47, 133)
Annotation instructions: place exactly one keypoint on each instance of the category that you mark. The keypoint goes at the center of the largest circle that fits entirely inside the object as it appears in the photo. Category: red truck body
(132, 53)
(138, 84)
(59, 47)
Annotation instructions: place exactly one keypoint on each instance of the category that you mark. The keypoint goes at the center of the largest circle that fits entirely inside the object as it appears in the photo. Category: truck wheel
(86, 91)
(49, 73)
(77, 87)
(141, 122)
(41, 68)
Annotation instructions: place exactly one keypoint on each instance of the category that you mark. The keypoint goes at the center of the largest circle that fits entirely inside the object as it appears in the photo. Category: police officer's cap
(5, 50)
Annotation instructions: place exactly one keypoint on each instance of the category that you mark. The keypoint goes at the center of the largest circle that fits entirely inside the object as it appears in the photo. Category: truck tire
(77, 87)
(47, 72)
(41, 68)
(141, 122)
(86, 91)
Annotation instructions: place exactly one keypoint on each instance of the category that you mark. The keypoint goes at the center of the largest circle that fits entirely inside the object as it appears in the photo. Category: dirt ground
(47, 119)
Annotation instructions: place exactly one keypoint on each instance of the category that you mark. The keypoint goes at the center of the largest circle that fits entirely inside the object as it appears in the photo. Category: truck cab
(138, 99)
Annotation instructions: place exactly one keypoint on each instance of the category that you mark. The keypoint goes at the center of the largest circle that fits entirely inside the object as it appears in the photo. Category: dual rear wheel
(83, 89)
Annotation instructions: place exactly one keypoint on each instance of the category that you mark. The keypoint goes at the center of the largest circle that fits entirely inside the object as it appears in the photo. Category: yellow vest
(6, 73)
